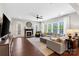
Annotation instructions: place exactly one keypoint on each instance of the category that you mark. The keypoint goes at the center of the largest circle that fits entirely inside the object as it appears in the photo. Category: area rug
(40, 46)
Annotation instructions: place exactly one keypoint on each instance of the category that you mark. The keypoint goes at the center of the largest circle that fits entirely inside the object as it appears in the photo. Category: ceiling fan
(39, 17)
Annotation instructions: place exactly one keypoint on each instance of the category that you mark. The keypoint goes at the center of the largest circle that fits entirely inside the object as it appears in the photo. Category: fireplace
(28, 32)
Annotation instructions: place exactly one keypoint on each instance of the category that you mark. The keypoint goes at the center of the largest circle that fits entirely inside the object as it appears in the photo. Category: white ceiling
(28, 10)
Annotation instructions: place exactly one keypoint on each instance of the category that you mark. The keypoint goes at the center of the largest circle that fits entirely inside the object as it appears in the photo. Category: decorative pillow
(59, 40)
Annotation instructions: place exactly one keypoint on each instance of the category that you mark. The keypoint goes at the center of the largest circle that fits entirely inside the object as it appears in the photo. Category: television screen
(5, 26)
(0, 29)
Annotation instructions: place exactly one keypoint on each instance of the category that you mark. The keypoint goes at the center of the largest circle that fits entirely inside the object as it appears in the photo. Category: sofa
(58, 47)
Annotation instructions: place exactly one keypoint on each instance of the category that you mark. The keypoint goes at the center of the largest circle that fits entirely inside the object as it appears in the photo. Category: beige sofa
(58, 47)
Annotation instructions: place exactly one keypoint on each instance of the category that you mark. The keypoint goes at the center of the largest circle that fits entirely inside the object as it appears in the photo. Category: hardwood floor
(22, 47)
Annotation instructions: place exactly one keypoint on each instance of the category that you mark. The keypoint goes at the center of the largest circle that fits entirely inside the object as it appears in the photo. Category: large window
(61, 27)
(19, 28)
(55, 28)
(49, 28)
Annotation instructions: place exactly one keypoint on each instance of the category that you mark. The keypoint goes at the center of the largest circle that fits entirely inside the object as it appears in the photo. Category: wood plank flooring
(22, 47)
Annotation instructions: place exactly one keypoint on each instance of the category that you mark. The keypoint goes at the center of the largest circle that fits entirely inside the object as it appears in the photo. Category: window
(49, 28)
(55, 28)
(19, 28)
(61, 27)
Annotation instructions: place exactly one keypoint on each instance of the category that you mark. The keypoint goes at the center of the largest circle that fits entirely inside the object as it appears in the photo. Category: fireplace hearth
(28, 32)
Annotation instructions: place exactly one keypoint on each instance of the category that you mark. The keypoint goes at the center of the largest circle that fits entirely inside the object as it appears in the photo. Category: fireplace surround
(28, 32)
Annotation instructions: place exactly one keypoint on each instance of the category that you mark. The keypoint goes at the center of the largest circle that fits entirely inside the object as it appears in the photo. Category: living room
(42, 25)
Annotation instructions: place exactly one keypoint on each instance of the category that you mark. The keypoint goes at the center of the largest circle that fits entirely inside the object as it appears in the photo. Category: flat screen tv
(5, 26)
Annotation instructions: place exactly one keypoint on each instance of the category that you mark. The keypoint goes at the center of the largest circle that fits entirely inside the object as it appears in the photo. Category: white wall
(1, 10)
(71, 21)
(74, 20)
(14, 26)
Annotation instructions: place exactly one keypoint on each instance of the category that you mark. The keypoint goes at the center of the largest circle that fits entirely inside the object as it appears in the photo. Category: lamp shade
(72, 31)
